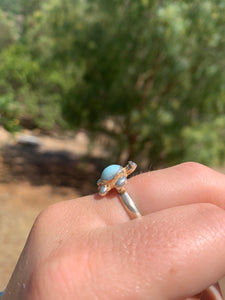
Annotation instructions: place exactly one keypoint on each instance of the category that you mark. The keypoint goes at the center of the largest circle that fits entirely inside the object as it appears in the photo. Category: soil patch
(20, 204)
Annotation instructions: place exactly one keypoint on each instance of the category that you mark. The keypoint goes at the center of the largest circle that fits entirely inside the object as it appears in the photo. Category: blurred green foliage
(155, 69)
(8, 113)
(8, 33)
(10, 6)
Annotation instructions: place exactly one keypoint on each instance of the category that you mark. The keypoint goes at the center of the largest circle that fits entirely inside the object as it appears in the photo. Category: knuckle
(200, 175)
(46, 215)
(193, 168)
(203, 179)
(48, 220)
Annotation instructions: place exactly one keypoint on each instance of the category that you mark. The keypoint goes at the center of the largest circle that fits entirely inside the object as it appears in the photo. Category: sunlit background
(86, 83)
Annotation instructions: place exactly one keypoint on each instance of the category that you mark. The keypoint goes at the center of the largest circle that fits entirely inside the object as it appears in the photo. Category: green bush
(29, 86)
(8, 113)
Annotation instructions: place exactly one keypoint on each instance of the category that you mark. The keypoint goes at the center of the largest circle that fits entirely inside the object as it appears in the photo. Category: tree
(8, 109)
(155, 68)
(28, 89)
(8, 34)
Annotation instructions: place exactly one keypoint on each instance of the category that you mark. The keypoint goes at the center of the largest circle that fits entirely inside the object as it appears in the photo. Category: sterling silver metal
(129, 206)
(118, 181)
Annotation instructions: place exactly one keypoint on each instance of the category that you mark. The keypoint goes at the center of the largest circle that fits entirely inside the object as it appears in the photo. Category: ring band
(115, 176)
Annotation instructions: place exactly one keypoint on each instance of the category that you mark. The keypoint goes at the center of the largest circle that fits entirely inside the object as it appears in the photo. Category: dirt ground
(20, 205)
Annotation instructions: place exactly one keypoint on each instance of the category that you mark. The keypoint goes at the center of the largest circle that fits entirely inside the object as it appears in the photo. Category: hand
(88, 248)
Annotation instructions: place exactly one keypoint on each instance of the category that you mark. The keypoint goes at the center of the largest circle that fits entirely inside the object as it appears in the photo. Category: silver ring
(115, 176)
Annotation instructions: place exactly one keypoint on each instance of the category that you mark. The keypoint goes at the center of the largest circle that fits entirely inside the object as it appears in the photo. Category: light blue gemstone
(109, 172)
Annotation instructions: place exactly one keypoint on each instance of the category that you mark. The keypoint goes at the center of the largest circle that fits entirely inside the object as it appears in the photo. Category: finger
(162, 255)
(212, 293)
(179, 185)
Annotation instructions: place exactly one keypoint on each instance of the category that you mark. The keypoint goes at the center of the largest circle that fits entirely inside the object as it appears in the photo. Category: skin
(88, 248)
